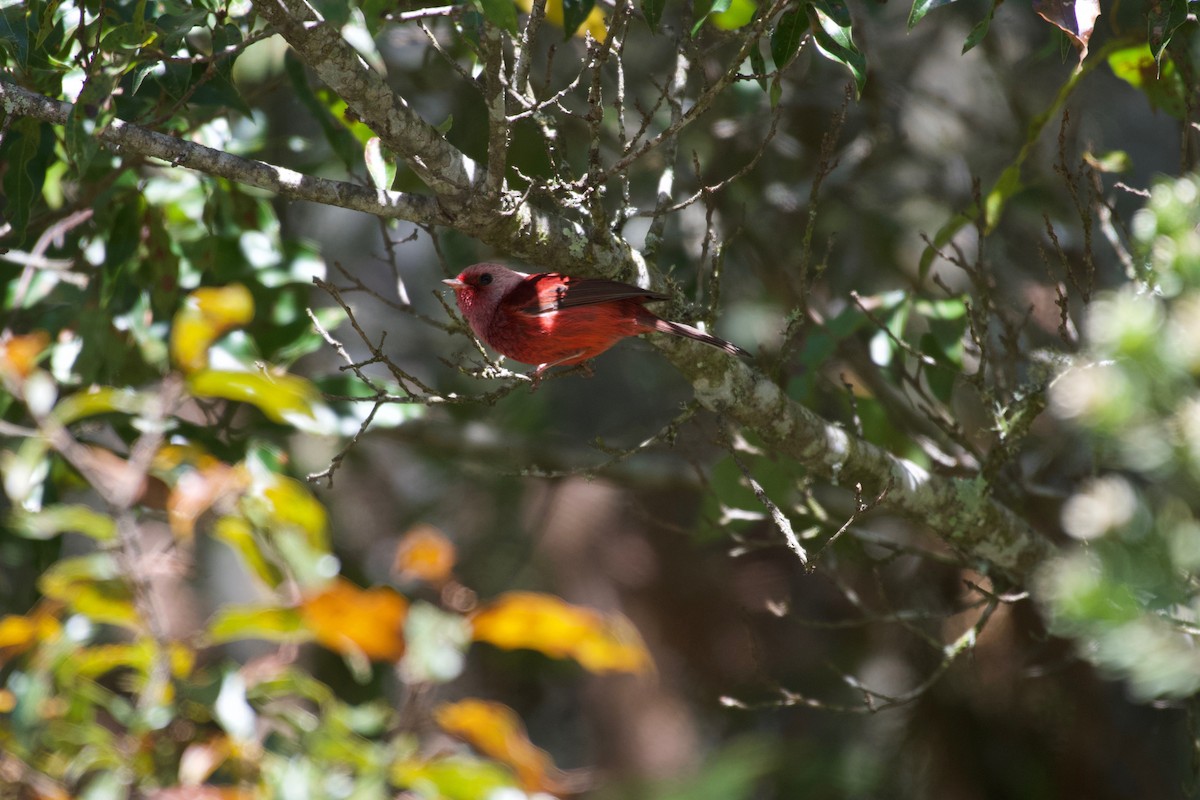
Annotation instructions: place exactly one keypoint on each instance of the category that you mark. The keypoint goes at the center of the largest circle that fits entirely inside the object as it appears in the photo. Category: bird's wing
(549, 291)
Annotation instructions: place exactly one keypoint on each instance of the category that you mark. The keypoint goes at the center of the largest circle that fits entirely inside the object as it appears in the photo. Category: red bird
(550, 319)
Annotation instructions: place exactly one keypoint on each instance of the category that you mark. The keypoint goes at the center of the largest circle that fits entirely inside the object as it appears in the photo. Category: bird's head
(480, 287)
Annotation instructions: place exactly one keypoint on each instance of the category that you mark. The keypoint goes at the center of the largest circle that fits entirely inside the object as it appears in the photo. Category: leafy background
(238, 561)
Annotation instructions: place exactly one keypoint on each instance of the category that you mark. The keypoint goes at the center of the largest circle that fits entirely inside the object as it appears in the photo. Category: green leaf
(981, 28)
(221, 86)
(90, 115)
(375, 14)
(652, 10)
(269, 623)
(1161, 82)
(381, 164)
(922, 7)
(343, 143)
(140, 76)
(27, 151)
(1162, 20)
(759, 65)
(776, 91)
(470, 24)
(129, 36)
(177, 26)
(503, 14)
(54, 520)
(836, 10)
(125, 228)
(785, 39)
(834, 39)
(738, 15)
(14, 33)
(336, 12)
(574, 13)
(1008, 185)
(717, 7)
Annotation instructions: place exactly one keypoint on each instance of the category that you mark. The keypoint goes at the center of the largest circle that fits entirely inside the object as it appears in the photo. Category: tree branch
(533, 235)
(960, 511)
(442, 167)
(123, 136)
(501, 220)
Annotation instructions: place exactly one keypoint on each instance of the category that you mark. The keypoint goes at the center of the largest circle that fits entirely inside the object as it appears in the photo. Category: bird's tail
(679, 329)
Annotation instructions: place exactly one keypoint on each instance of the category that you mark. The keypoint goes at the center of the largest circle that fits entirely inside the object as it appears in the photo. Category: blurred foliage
(90, 671)
(166, 379)
(1129, 591)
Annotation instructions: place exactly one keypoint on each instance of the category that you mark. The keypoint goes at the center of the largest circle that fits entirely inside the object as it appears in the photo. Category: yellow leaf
(549, 625)
(20, 633)
(288, 502)
(284, 398)
(350, 620)
(101, 400)
(239, 535)
(172, 456)
(92, 586)
(497, 732)
(594, 24)
(424, 554)
(454, 777)
(141, 656)
(207, 315)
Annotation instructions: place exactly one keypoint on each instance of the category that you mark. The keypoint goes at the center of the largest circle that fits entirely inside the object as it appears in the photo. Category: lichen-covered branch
(133, 139)
(320, 45)
(501, 219)
(960, 511)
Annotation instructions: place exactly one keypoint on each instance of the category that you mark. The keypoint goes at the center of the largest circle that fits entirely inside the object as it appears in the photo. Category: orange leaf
(549, 625)
(201, 759)
(197, 490)
(19, 354)
(496, 731)
(350, 620)
(424, 554)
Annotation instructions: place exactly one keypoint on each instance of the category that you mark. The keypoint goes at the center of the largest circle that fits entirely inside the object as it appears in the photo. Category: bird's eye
(485, 279)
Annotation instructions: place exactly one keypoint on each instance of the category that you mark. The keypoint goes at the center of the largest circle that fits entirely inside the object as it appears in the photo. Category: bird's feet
(536, 375)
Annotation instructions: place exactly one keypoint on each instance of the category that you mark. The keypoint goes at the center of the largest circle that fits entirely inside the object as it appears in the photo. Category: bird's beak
(454, 283)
